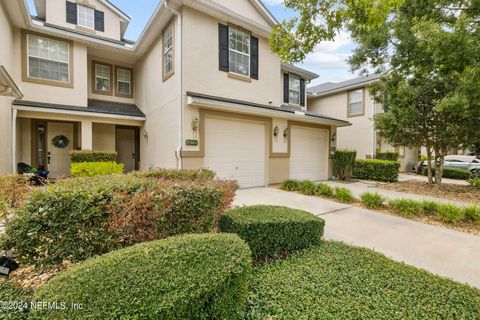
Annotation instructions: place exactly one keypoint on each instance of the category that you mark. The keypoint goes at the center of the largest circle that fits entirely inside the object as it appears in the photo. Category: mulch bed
(445, 190)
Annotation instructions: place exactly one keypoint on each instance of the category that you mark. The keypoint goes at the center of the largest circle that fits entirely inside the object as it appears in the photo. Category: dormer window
(293, 90)
(239, 52)
(86, 16)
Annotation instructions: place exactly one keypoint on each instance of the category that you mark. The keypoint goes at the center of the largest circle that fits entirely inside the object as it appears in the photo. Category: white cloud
(273, 2)
(342, 40)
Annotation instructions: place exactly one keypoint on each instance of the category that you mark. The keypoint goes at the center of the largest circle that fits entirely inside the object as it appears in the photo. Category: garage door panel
(236, 150)
(308, 153)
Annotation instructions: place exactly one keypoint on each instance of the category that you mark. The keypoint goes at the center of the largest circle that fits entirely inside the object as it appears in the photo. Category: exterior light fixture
(276, 131)
(285, 133)
(145, 134)
(334, 137)
(195, 125)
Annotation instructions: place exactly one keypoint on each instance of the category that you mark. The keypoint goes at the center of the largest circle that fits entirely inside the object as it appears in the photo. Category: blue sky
(328, 59)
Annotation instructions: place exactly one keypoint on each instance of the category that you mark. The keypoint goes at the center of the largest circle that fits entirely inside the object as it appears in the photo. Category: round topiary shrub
(197, 276)
(270, 230)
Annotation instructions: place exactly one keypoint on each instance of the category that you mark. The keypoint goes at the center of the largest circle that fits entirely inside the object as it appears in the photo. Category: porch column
(14, 140)
(87, 135)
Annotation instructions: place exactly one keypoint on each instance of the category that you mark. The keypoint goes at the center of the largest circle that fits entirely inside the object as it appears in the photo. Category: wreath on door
(60, 141)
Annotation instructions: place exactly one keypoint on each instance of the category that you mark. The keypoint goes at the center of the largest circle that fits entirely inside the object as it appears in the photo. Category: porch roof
(94, 107)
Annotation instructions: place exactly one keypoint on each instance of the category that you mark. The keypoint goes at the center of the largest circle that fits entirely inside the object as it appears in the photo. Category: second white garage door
(236, 150)
(308, 153)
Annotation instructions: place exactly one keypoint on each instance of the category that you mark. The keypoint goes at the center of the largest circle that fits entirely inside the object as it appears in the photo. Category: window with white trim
(239, 52)
(124, 81)
(48, 59)
(102, 78)
(168, 50)
(294, 89)
(355, 102)
(86, 16)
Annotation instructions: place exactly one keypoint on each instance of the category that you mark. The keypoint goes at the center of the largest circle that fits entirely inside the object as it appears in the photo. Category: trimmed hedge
(474, 183)
(337, 281)
(201, 276)
(91, 169)
(271, 230)
(343, 164)
(190, 175)
(92, 156)
(377, 170)
(78, 218)
(451, 173)
(17, 301)
(387, 155)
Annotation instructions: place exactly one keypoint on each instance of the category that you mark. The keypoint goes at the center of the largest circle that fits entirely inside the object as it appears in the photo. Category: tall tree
(428, 52)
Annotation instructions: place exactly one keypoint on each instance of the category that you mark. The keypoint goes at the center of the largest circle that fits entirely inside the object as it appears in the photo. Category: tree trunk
(429, 162)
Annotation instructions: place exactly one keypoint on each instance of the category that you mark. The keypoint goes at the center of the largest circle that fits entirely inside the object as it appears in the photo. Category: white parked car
(470, 163)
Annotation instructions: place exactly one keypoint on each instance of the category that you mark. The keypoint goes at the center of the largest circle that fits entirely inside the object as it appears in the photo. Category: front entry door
(58, 156)
(126, 148)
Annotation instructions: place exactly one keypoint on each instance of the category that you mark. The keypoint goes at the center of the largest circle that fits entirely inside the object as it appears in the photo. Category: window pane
(294, 96)
(355, 108)
(86, 16)
(123, 88)
(239, 52)
(48, 59)
(294, 89)
(355, 96)
(123, 75)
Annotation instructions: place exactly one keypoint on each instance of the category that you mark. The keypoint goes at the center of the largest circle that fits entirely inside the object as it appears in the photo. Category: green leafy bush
(451, 173)
(91, 169)
(474, 183)
(387, 155)
(377, 170)
(450, 213)
(406, 207)
(429, 207)
(343, 164)
(372, 200)
(344, 195)
(290, 185)
(11, 292)
(270, 230)
(92, 156)
(338, 281)
(14, 190)
(79, 218)
(472, 214)
(188, 277)
(168, 174)
(307, 187)
(325, 190)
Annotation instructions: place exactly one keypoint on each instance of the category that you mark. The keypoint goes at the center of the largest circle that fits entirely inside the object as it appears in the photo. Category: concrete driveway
(442, 251)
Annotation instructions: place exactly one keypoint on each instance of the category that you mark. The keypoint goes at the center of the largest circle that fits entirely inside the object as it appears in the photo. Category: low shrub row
(377, 170)
(92, 156)
(191, 175)
(474, 183)
(309, 188)
(78, 218)
(272, 230)
(202, 276)
(451, 173)
(387, 155)
(91, 169)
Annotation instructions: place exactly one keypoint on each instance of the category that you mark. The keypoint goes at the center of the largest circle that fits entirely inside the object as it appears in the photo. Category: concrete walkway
(442, 251)
(418, 177)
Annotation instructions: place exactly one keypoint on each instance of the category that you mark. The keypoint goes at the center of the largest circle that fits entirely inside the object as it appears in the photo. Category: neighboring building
(350, 100)
(200, 88)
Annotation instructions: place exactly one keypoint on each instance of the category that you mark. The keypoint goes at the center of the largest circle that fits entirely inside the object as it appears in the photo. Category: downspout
(14, 140)
(178, 57)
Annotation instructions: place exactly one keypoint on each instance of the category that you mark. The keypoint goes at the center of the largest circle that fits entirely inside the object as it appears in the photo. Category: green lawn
(337, 281)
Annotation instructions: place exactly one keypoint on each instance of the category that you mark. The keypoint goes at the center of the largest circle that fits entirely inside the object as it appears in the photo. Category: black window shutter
(302, 92)
(253, 57)
(286, 95)
(223, 47)
(71, 12)
(99, 21)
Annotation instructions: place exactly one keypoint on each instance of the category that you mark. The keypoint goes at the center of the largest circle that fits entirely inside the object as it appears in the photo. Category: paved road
(442, 251)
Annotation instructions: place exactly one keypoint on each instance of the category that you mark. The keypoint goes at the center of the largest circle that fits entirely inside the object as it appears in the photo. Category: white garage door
(236, 150)
(309, 153)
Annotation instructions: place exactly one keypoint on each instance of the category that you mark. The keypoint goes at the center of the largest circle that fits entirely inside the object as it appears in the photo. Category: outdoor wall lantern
(285, 133)
(195, 124)
(334, 137)
(145, 134)
(276, 131)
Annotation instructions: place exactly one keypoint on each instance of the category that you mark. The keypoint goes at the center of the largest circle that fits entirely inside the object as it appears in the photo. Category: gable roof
(258, 4)
(327, 88)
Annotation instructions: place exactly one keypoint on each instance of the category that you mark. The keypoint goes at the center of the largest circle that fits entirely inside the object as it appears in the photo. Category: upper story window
(102, 78)
(355, 103)
(124, 82)
(86, 16)
(294, 89)
(48, 59)
(239, 52)
(168, 51)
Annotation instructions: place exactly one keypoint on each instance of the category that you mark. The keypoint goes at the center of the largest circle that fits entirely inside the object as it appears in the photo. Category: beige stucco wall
(160, 101)
(245, 8)
(103, 137)
(56, 14)
(24, 140)
(360, 136)
(278, 170)
(7, 60)
(111, 97)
